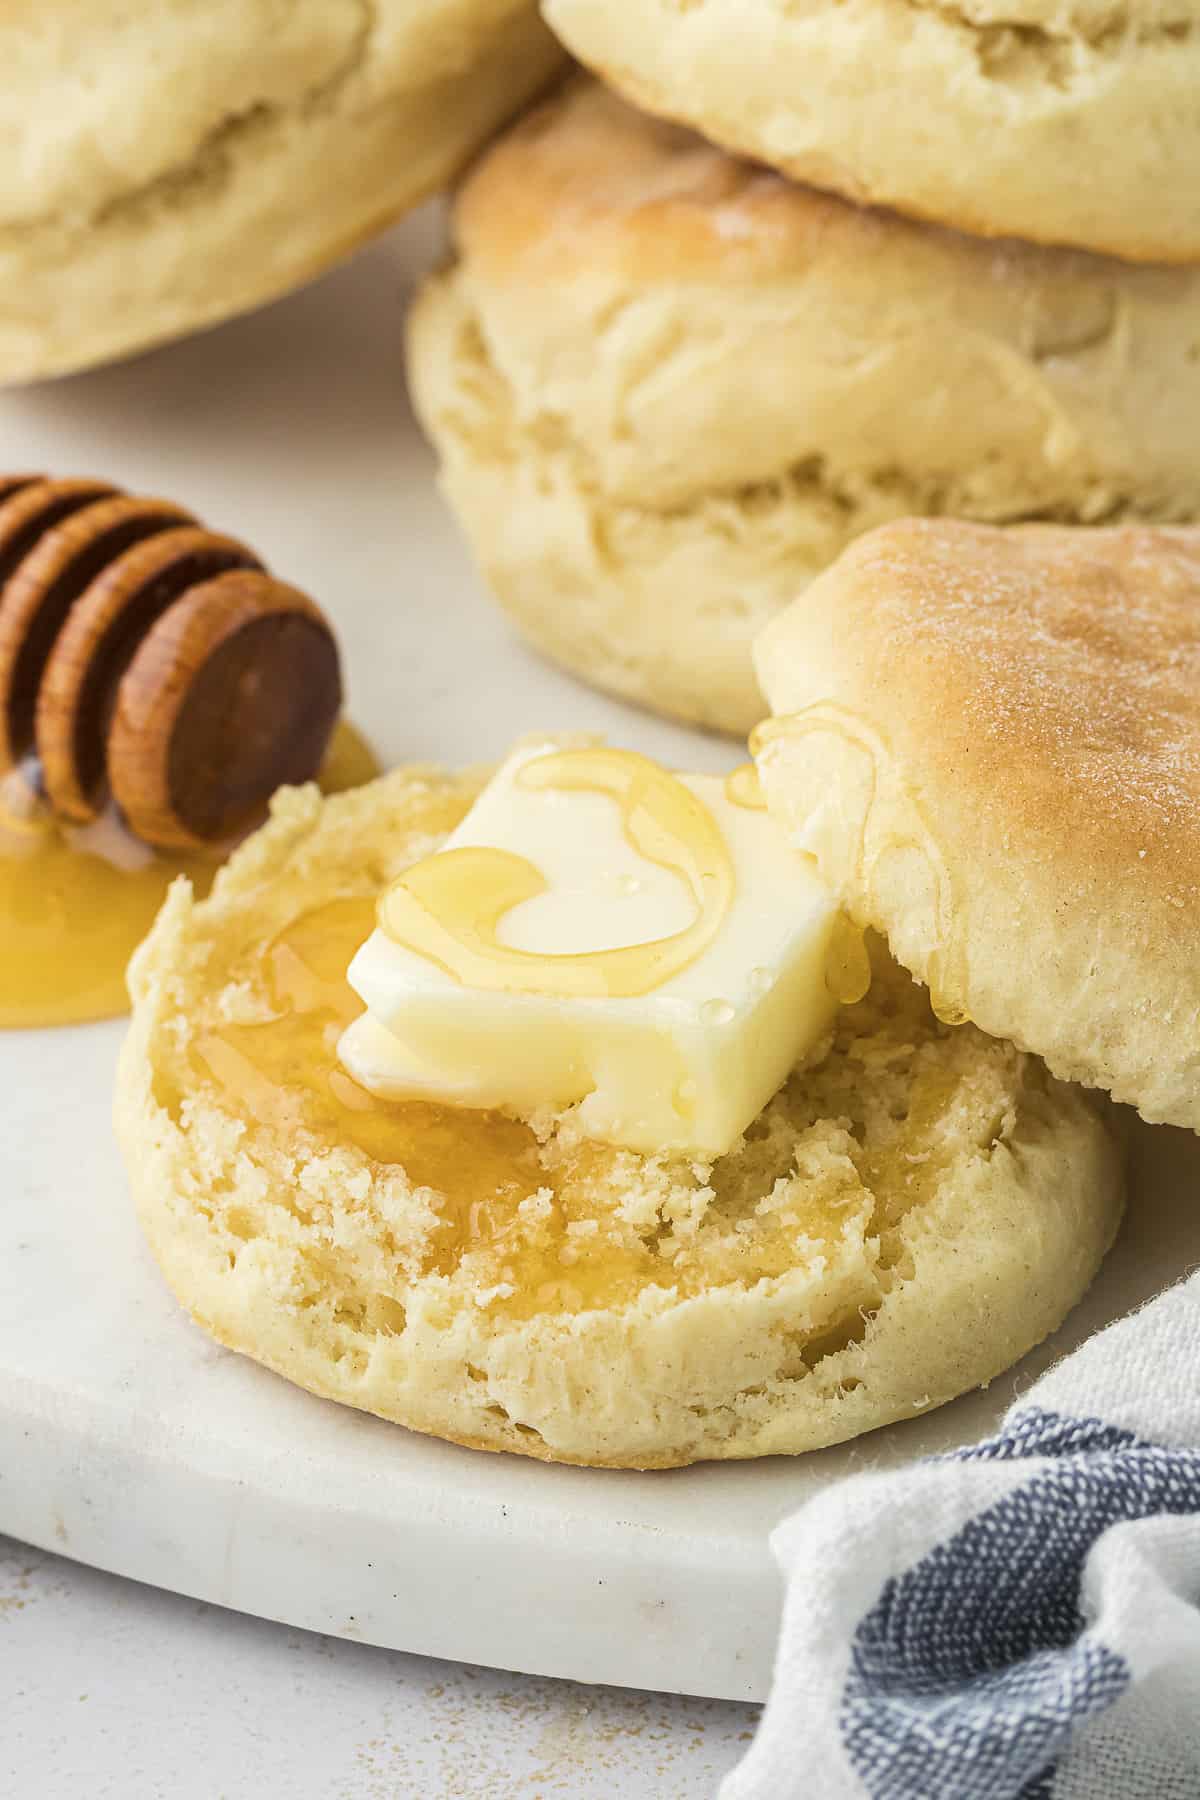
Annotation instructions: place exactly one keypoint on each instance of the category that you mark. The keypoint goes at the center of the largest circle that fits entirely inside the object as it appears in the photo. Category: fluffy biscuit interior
(529, 1212)
(333, 1237)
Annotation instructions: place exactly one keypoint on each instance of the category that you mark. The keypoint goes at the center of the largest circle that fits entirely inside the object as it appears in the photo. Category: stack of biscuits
(167, 166)
(920, 261)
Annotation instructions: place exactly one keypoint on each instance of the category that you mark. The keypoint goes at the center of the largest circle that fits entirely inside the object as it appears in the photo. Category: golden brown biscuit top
(1093, 21)
(1047, 677)
(687, 323)
(586, 179)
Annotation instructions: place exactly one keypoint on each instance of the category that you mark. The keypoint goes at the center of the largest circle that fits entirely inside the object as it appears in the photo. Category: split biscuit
(910, 1214)
(992, 748)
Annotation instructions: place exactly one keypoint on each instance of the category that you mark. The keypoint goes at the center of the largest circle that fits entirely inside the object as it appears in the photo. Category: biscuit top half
(690, 322)
(991, 742)
(1057, 121)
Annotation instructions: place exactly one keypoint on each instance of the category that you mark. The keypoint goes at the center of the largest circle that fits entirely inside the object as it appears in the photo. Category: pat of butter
(685, 1065)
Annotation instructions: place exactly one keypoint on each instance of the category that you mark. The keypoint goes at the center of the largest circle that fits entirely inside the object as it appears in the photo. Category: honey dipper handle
(233, 692)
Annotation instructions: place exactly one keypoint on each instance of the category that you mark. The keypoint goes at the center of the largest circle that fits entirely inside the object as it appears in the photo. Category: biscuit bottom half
(914, 1210)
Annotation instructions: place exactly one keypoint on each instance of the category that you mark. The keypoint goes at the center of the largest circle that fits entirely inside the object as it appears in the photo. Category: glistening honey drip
(946, 974)
(743, 788)
(448, 908)
(848, 963)
(480, 1167)
(74, 904)
(532, 1222)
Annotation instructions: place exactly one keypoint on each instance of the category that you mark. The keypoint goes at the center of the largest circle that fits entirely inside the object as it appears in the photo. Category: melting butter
(537, 1234)
(449, 907)
(600, 933)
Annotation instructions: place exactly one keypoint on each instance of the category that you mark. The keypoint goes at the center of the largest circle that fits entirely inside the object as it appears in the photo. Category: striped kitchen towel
(1017, 1621)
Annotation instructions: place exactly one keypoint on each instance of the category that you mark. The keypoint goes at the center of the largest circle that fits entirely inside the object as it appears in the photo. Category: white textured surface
(126, 1438)
(113, 1691)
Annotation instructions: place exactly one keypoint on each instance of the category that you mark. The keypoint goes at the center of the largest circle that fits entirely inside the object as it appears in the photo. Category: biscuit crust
(996, 760)
(195, 160)
(668, 387)
(1058, 121)
(910, 1215)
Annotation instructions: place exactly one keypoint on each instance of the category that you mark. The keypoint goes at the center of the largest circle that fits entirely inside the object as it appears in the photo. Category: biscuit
(183, 163)
(668, 388)
(911, 1213)
(993, 750)
(1072, 123)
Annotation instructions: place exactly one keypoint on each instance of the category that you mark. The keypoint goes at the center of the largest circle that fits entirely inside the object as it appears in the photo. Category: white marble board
(127, 1439)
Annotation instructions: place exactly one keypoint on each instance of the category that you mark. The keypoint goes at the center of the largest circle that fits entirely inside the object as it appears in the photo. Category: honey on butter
(599, 932)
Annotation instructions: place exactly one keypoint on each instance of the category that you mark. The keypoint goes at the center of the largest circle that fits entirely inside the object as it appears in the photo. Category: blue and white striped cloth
(1018, 1621)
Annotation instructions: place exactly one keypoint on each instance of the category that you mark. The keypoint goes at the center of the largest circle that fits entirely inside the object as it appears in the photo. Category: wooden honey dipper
(147, 658)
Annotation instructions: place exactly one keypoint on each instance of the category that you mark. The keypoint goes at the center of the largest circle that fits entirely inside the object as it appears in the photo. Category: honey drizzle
(477, 1166)
(947, 971)
(74, 904)
(847, 959)
(743, 787)
(847, 962)
(502, 1209)
(448, 907)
